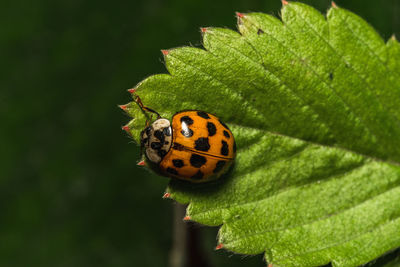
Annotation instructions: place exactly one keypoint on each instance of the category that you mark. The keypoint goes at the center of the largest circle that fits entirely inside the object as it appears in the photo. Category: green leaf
(313, 103)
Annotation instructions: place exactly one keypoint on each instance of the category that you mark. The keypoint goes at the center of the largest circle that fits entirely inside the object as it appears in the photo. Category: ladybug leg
(144, 108)
(148, 121)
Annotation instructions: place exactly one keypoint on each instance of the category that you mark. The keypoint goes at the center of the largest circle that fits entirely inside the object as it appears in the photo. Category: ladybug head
(156, 140)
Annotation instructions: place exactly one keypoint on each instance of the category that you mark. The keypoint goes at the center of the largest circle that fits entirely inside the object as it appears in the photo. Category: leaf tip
(333, 4)
(126, 129)
(166, 195)
(123, 107)
(187, 218)
(284, 2)
(132, 90)
(219, 246)
(165, 52)
(141, 163)
(239, 15)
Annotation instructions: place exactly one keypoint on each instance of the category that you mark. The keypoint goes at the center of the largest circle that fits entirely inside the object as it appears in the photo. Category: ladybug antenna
(144, 108)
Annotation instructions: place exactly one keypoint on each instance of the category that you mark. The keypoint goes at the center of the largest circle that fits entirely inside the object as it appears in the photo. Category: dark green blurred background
(70, 191)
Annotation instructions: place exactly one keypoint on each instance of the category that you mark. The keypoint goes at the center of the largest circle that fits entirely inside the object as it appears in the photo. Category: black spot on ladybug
(234, 146)
(177, 163)
(148, 131)
(219, 166)
(223, 124)
(198, 175)
(331, 76)
(197, 160)
(260, 31)
(178, 146)
(227, 135)
(202, 144)
(187, 120)
(203, 114)
(160, 136)
(186, 132)
(172, 171)
(144, 141)
(166, 143)
(211, 128)
(224, 148)
(156, 145)
(161, 153)
(167, 131)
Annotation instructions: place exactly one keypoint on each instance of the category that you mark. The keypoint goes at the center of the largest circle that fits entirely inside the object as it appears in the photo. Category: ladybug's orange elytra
(196, 147)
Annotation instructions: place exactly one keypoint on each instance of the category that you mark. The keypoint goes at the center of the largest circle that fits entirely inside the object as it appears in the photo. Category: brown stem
(177, 257)
(187, 244)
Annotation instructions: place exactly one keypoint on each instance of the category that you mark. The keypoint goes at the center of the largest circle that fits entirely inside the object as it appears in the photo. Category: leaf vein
(373, 228)
(227, 87)
(280, 81)
(339, 56)
(322, 81)
(283, 190)
(319, 219)
(327, 146)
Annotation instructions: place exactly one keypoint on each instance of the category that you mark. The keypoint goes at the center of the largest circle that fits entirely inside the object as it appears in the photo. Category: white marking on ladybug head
(156, 140)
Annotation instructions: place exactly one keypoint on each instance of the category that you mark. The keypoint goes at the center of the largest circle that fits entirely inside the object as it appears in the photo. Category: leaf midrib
(327, 178)
(389, 162)
(279, 160)
(366, 159)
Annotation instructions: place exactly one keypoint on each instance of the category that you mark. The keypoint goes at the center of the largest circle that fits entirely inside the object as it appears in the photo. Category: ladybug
(194, 146)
